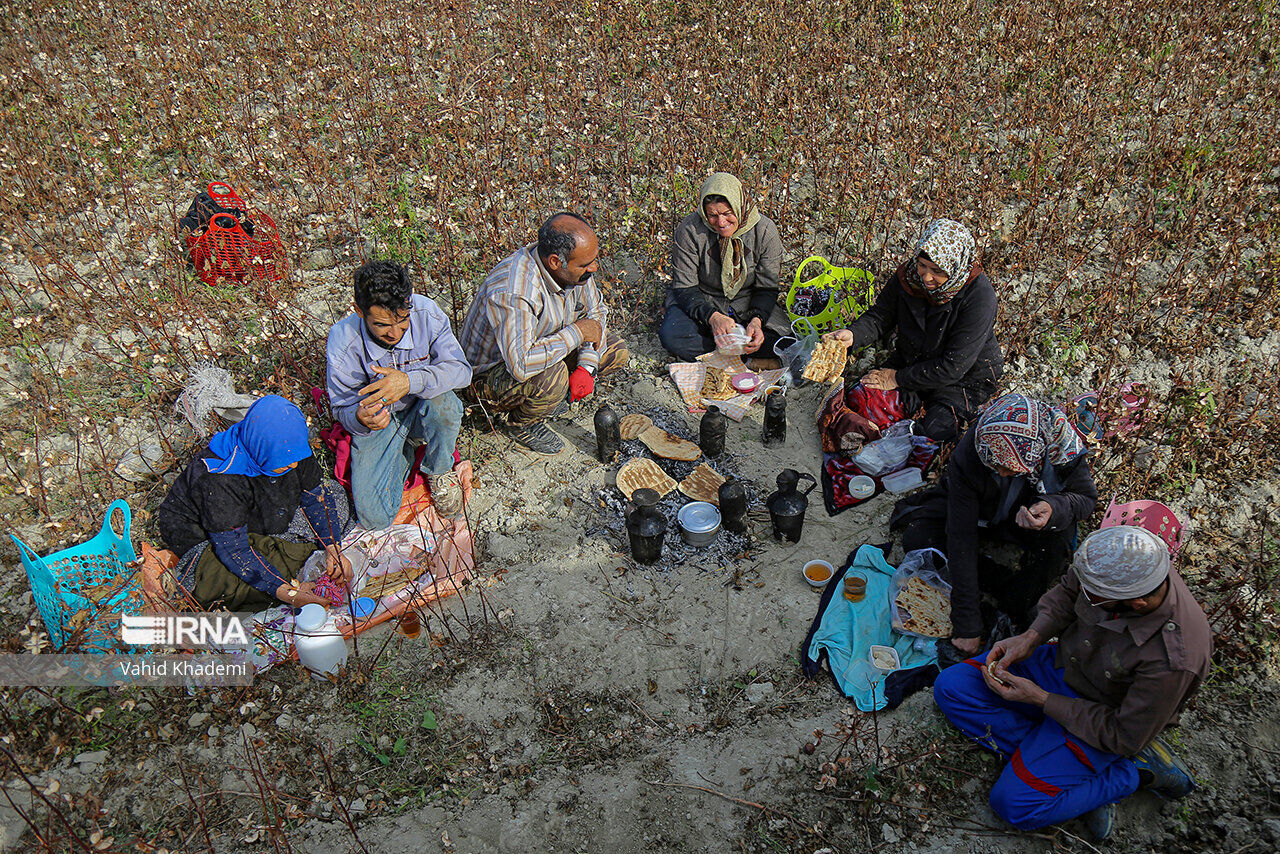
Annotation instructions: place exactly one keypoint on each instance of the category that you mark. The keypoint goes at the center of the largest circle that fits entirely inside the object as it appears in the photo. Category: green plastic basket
(857, 283)
(81, 591)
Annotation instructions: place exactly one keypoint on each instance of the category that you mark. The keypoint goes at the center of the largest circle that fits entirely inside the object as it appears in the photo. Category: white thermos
(321, 647)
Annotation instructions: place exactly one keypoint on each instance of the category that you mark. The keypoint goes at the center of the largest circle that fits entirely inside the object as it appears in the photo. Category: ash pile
(728, 547)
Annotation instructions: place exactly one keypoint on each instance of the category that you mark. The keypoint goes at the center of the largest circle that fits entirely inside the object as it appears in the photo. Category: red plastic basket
(224, 250)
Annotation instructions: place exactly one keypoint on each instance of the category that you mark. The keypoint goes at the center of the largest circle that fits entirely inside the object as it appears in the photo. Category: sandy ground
(615, 708)
(685, 677)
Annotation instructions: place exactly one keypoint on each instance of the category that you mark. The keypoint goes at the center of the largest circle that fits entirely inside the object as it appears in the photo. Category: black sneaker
(537, 437)
(1101, 821)
(561, 408)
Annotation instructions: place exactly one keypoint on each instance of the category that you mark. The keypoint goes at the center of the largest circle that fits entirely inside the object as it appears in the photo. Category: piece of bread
(826, 365)
(642, 473)
(703, 484)
(717, 385)
(926, 610)
(631, 426)
(669, 447)
(381, 585)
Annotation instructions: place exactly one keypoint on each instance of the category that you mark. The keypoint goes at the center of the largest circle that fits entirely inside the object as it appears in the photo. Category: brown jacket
(1134, 673)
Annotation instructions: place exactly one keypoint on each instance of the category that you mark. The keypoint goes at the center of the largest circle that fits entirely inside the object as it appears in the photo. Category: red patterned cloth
(327, 588)
(860, 413)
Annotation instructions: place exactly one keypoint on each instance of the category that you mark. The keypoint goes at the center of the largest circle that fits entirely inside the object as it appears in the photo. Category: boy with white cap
(1079, 720)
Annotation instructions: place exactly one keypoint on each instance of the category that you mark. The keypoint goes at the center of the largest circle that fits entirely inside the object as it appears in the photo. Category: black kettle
(646, 526)
(787, 505)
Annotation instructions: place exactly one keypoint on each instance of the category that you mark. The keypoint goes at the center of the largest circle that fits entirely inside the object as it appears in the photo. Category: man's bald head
(568, 248)
(561, 234)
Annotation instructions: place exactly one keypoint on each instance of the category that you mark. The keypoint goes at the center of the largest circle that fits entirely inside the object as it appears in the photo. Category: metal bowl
(699, 523)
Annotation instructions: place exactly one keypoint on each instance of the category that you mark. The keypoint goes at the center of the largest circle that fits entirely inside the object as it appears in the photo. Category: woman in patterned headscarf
(1021, 475)
(943, 309)
(726, 257)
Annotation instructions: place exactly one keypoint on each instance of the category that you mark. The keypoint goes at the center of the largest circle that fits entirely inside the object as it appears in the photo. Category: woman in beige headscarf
(725, 260)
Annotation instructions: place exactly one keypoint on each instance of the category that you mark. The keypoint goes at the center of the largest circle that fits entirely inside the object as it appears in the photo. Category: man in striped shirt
(535, 332)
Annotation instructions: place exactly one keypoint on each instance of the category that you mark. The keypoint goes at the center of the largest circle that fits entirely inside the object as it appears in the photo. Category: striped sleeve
(513, 318)
(593, 304)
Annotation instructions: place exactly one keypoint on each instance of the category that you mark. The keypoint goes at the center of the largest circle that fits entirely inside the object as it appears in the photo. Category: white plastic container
(860, 487)
(321, 647)
(884, 658)
(903, 479)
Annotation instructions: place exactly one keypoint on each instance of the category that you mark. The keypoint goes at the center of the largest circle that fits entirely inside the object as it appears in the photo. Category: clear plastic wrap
(928, 566)
(884, 455)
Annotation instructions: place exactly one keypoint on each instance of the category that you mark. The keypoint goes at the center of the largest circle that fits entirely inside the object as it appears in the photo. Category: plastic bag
(900, 428)
(312, 569)
(795, 354)
(377, 553)
(927, 565)
(734, 342)
(884, 455)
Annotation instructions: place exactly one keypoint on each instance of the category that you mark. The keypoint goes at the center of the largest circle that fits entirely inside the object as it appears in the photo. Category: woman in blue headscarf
(248, 511)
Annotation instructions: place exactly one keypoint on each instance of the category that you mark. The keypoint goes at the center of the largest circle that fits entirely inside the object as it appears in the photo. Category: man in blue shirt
(393, 366)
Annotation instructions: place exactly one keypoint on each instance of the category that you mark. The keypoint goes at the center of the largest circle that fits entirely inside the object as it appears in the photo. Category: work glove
(581, 384)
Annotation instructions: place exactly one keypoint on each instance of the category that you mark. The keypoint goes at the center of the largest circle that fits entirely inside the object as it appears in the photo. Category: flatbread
(669, 447)
(393, 582)
(826, 365)
(925, 610)
(631, 426)
(717, 385)
(641, 473)
(703, 484)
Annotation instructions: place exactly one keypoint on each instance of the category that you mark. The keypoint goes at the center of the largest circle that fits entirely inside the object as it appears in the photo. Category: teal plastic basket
(82, 591)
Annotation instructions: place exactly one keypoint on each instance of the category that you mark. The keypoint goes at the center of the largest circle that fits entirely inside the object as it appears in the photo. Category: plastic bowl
(745, 382)
(363, 607)
(819, 568)
(884, 658)
(903, 480)
(861, 486)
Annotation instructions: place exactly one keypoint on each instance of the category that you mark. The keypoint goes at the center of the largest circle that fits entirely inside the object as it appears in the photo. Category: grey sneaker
(561, 408)
(446, 493)
(537, 437)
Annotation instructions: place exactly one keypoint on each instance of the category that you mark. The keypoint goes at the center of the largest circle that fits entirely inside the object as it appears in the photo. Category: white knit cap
(1122, 562)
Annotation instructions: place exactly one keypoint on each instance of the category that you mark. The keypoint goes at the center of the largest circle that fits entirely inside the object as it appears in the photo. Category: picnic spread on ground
(314, 555)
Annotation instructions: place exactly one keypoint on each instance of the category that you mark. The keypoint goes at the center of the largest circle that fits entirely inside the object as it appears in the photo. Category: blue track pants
(1052, 776)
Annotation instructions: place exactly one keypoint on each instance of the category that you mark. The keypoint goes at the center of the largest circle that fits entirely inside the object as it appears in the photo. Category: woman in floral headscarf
(726, 257)
(1021, 475)
(943, 308)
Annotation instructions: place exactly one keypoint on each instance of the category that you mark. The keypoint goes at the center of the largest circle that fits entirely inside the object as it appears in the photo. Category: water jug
(775, 418)
(608, 434)
(733, 506)
(646, 526)
(711, 432)
(787, 505)
(321, 647)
